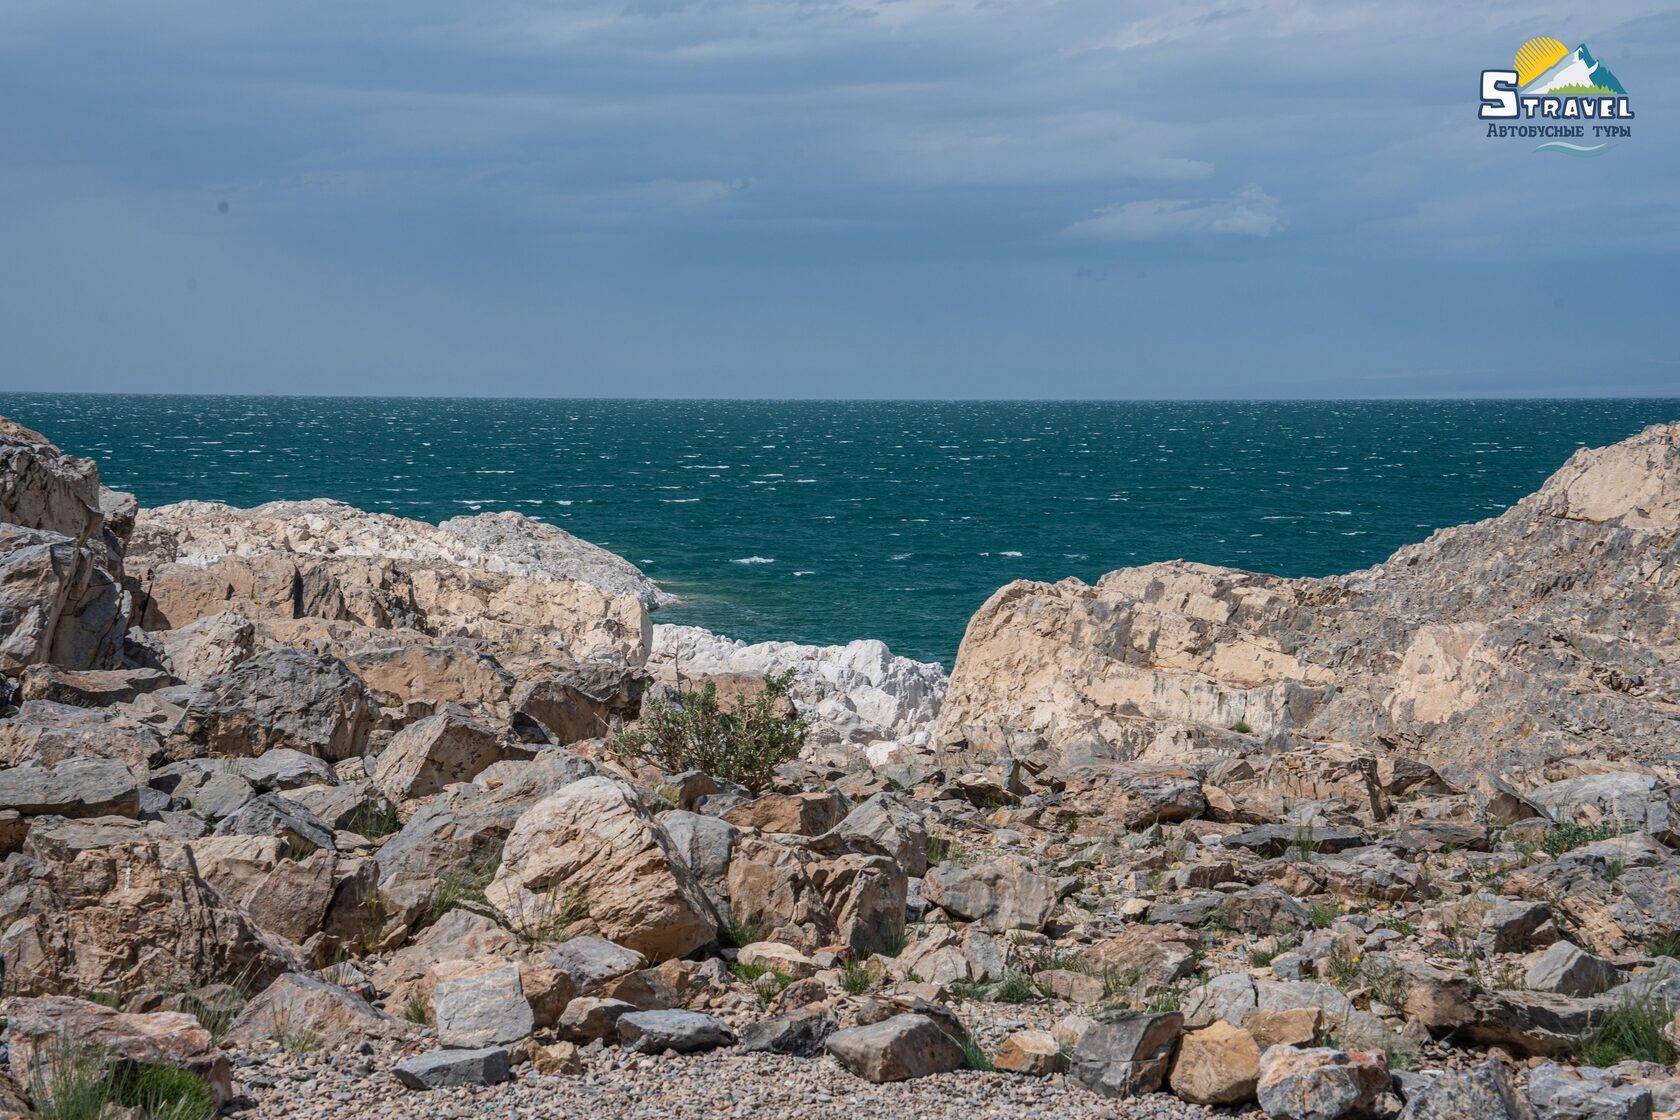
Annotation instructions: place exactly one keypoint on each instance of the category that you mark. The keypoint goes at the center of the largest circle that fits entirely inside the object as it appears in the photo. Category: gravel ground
(722, 1083)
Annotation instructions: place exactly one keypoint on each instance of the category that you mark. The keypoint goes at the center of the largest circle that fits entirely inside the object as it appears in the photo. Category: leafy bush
(1015, 987)
(743, 745)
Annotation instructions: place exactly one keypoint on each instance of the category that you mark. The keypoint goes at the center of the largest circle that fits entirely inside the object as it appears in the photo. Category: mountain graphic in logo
(1546, 66)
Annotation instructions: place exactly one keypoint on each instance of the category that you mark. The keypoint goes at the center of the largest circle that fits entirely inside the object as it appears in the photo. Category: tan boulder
(451, 746)
(1219, 1064)
(593, 853)
(38, 1030)
(1034, 1053)
(123, 920)
(807, 814)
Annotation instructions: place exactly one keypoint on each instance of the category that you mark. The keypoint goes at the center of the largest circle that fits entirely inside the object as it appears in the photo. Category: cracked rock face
(1545, 633)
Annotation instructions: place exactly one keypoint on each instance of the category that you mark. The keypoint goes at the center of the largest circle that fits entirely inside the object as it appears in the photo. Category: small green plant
(1242, 727)
(967, 989)
(1323, 915)
(80, 1083)
(1344, 965)
(414, 1011)
(1614, 870)
(744, 744)
(1015, 987)
(893, 941)
(1163, 1001)
(854, 978)
(466, 883)
(374, 820)
(1399, 925)
(1633, 1029)
(974, 1058)
(552, 918)
(939, 850)
(1386, 981)
(1118, 981)
(1567, 837)
(1664, 945)
(744, 930)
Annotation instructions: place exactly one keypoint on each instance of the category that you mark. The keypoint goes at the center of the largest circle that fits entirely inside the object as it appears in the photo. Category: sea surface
(827, 521)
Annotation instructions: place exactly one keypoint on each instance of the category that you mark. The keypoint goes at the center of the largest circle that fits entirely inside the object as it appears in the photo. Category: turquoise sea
(825, 521)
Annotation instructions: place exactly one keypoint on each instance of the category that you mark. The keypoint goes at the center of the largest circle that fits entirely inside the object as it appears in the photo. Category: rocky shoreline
(316, 812)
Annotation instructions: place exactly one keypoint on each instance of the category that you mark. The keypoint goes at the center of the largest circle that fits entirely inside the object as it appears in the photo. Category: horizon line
(1512, 399)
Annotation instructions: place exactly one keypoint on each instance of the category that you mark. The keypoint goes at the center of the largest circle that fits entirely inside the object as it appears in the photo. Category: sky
(825, 198)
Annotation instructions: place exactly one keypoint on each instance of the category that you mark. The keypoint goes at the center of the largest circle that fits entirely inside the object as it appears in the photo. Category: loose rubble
(320, 809)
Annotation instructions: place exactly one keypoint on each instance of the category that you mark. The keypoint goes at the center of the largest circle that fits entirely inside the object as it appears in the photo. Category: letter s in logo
(1499, 95)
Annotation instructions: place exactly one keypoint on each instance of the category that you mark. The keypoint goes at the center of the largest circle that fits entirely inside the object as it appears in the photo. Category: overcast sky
(925, 198)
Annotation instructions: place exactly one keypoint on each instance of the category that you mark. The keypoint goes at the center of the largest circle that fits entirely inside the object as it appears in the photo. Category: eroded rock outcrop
(1544, 634)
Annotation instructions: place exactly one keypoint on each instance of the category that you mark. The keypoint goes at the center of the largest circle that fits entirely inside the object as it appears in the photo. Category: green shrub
(743, 745)
(467, 883)
(1015, 987)
(939, 849)
(743, 930)
(974, 1058)
(374, 820)
(1322, 915)
(85, 1084)
(1632, 1029)
(854, 978)
(1567, 837)
(1242, 727)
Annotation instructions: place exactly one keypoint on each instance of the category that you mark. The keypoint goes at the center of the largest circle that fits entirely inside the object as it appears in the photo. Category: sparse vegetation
(743, 930)
(1567, 837)
(1323, 915)
(854, 978)
(1242, 727)
(1633, 1029)
(1015, 987)
(974, 1058)
(86, 1084)
(374, 820)
(744, 744)
(939, 849)
(467, 883)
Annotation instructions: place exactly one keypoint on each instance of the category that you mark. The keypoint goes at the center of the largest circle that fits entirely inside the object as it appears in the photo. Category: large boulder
(1006, 893)
(1127, 1055)
(451, 746)
(61, 544)
(282, 698)
(573, 701)
(1320, 1084)
(806, 899)
(896, 1049)
(592, 852)
(43, 1033)
(125, 920)
(301, 1004)
(503, 579)
(89, 787)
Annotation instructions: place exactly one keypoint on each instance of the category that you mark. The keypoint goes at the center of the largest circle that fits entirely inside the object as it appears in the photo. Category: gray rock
(273, 815)
(686, 1032)
(588, 1018)
(801, 1034)
(896, 1049)
(887, 825)
(1571, 971)
(1273, 840)
(1511, 927)
(580, 701)
(84, 787)
(446, 1069)
(1127, 1055)
(1319, 1083)
(593, 961)
(477, 1003)
(1565, 1093)
(1482, 1092)
(282, 698)
(1003, 894)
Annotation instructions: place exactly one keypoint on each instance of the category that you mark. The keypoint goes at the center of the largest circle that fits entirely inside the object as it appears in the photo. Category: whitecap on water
(755, 560)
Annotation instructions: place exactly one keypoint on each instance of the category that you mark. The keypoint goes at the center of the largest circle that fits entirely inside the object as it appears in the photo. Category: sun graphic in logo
(1537, 56)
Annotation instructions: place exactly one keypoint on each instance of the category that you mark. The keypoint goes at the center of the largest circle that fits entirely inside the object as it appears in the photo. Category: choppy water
(826, 521)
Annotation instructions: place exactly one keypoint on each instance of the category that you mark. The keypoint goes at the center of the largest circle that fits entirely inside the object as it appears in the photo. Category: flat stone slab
(446, 1069)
